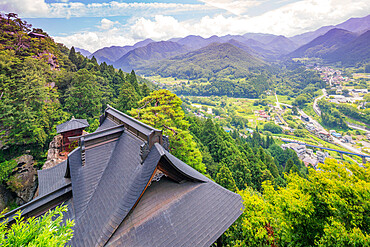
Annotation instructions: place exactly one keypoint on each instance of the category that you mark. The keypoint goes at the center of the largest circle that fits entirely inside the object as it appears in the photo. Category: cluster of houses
(344, 139)
(262, 114)
(322, 134)
(305, 154)
(338, 99)
(331, 76)
(328, 136)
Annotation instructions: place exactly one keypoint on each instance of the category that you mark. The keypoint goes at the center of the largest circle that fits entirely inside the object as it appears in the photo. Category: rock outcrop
(55, 154)
(6, 197)
(22, 181)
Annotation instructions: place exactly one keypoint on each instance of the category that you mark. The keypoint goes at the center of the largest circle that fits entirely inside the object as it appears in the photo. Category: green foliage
(127, 98)
(329, 208)
(84, 96)
(273, 128)
(299, 133)
(29, 108)
(6, 169)
(93, 126)
(225, 179)
(330, 116)
(162, 110)
(301, 100)
(47, 230)
(254, 229)
(249, 167)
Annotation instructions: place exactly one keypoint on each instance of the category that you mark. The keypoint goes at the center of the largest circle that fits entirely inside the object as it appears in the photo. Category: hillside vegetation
(214, 60)
(43, 84)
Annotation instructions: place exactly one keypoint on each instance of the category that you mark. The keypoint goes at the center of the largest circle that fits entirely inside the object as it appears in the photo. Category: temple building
(71, 128)
(124, 188)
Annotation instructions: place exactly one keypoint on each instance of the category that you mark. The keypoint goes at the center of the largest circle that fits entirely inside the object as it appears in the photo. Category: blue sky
(95, 24)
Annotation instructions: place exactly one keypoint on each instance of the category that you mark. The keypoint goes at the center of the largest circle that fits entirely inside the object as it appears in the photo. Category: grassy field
(361, 75)
(166, 80)
(285, 99)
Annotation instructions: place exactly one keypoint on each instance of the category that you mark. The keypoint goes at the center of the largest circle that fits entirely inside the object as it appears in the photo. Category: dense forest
(43, 84)
(285, 78)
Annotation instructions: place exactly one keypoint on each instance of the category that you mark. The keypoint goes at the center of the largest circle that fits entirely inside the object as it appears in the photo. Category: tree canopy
(162, 110)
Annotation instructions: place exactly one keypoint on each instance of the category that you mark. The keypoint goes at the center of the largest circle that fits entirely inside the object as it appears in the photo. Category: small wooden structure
(71, 128)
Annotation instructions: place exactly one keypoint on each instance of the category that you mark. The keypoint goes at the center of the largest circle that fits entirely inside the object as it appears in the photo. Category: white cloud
(162, 27)
(237, 7)
(25, 7)
(93, 41)
(308, 15)
(107, 24)
(65, 9)
(288, 20)
(291, 19)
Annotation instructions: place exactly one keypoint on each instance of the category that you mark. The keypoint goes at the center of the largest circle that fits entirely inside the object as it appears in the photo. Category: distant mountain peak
(325, 44)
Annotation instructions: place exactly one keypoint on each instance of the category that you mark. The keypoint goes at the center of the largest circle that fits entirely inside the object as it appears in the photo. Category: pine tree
(127, 98)
(84, 96)
(72, 56)
(133, 80)
(162, 110)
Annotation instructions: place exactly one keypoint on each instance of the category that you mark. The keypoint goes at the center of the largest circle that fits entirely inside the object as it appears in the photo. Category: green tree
(47, 230)
(72, 56)
(301, 100)
(329, 208)
(162, 110)
(225, 179)
(273, 128)
(131, 78)
(84, 96)
(127, 98)
(29, 106)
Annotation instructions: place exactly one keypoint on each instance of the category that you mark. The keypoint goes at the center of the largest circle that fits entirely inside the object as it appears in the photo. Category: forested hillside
(214, 60)
(43, 84)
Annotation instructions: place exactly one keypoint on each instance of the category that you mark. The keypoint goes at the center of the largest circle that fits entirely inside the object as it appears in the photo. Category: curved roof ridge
(72, 125)
(181, 166)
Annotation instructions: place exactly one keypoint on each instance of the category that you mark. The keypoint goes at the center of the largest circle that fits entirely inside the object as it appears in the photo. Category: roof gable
(125, 191)
(72, 124)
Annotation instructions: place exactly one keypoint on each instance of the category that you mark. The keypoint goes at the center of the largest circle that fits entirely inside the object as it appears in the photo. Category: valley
(160, 134)
(243, 115)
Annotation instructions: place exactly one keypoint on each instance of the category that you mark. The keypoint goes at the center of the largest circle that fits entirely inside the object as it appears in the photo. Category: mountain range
(328, 42)
(325, 44)
(216, 59)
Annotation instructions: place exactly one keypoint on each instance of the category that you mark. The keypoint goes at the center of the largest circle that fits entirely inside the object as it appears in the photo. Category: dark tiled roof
(107, 124)
(121, 184)
(143, 128)
(173, 214)
(115, 200)
(86, 178)
(182, 167)
(52, 179)
(72, 125)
